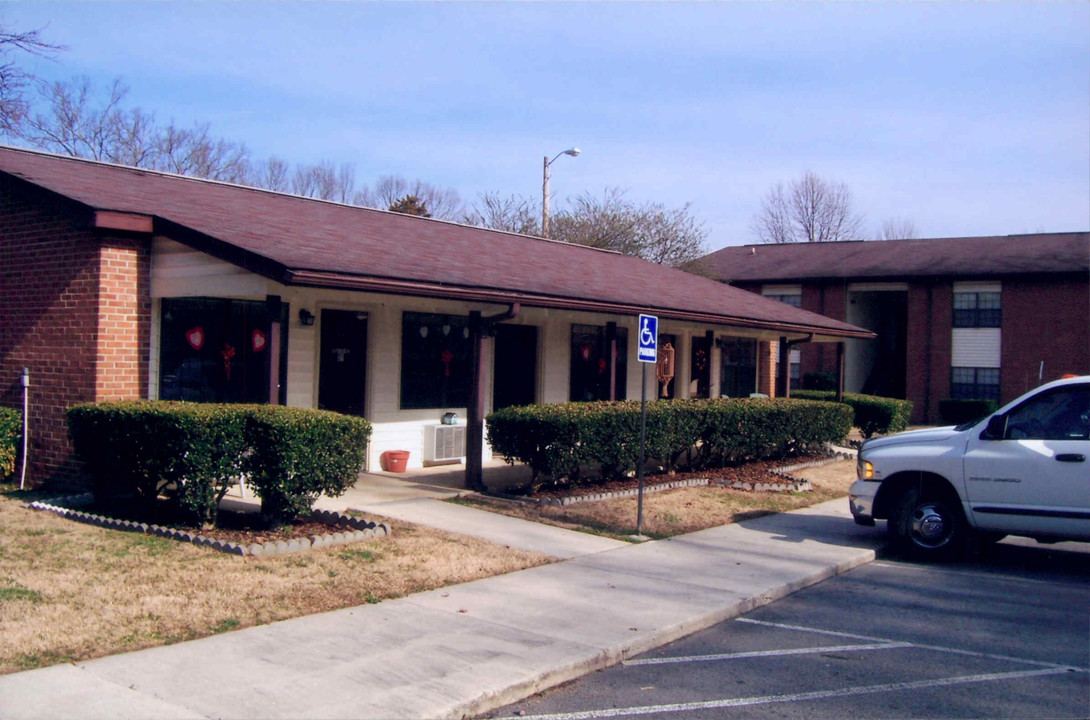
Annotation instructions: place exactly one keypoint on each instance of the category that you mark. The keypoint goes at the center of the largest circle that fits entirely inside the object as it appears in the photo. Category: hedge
(956, 412)
(193, 453)
(558, 440)
(873, 414)
(11, 432)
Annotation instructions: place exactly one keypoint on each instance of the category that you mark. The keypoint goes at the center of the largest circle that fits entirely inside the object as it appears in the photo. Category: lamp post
(545, 190)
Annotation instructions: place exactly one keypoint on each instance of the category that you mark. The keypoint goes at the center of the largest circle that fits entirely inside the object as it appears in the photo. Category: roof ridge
(281, 193)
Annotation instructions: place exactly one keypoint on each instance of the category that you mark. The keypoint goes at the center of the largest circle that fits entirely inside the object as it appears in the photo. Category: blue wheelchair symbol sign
(649, 339)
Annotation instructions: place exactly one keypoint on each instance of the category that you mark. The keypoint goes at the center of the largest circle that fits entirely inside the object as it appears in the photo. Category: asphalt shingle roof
(303, 241)
(966, 257)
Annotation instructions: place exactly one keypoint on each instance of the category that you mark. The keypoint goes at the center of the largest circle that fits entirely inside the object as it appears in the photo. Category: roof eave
(330, 280)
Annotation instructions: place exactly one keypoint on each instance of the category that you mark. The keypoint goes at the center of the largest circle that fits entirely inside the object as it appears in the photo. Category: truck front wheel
(928, 526)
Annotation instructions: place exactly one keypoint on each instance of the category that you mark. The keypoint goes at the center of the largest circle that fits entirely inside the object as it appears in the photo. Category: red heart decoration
(195, 337)
(258, 339)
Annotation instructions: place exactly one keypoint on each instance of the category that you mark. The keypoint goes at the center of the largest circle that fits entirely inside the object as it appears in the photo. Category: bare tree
(14, 81)
(325, 181)
(810, 209)
(271, 174)
(74, 124)
(898, 229)
(650, 231)
(442, 203)
(512, 213)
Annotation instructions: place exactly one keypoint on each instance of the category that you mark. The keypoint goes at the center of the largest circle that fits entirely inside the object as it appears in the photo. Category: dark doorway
(342, 371)
(738, 367)
(515, 364)
(878, 366)
(700, 370)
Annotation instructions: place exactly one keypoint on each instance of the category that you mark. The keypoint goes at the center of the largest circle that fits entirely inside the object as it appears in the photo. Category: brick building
(974, 317)
(118, 283)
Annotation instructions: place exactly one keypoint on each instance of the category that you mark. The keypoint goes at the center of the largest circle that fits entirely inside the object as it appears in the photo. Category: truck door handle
(1071, 457)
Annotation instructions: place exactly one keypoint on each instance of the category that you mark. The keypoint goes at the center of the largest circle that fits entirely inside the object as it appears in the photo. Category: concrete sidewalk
(466, 649)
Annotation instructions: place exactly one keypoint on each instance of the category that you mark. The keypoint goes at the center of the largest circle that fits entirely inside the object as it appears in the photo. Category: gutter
(313, 278)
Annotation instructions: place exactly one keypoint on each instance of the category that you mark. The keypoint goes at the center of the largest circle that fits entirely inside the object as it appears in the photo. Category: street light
(545, 190)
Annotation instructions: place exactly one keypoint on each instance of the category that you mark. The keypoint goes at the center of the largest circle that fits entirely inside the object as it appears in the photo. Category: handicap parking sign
(649, 339)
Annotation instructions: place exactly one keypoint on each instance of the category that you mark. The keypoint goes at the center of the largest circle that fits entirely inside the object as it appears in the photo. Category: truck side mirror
(996, 428)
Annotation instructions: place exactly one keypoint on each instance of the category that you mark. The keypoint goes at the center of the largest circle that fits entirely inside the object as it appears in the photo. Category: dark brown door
(515, 366)
(342, 372)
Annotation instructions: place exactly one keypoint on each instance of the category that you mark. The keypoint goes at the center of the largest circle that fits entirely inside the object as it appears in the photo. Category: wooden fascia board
(314, 278)
(123, 221)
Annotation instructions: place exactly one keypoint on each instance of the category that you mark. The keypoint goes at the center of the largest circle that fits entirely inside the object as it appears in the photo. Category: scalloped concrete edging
(353, 529)
(789, 484)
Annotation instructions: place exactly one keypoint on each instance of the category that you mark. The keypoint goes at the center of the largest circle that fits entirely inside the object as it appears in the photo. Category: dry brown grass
(684, 510)
(71, 592)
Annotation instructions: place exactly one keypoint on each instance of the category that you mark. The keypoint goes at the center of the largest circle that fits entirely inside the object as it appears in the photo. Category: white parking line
(765, 653)
(936, 648)
(792, 697)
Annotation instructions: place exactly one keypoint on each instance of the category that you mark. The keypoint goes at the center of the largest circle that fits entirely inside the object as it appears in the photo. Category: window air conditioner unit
(444, 443)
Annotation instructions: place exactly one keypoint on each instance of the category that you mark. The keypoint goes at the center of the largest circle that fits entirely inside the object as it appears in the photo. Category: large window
(968, 383)
(436, 355)
(590, 362)
(738, 367)
(214, 350)
(977, 309)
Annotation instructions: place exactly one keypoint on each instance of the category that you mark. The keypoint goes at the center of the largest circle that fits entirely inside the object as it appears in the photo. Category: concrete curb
(553, 677)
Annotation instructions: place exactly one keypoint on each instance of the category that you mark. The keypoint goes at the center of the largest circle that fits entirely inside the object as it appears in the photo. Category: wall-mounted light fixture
(306, 317)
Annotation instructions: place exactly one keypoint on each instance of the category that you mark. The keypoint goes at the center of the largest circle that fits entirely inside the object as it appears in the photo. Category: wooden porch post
(783, 369)
(840, 371)
(475, 409)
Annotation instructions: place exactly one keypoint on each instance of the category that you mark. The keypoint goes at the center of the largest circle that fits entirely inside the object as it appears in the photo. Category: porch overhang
(794, 331)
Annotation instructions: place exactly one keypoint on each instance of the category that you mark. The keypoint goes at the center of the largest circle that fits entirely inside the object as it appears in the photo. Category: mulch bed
(752, 472)
(243, 528)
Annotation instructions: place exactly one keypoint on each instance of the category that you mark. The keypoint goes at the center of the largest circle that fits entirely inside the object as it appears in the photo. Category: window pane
(589, 370)
(1060, 415)
(214, 350)
(436, 354)
(965, 301)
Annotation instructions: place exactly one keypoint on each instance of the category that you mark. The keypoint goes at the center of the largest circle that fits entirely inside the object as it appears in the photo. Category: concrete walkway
(466, 649)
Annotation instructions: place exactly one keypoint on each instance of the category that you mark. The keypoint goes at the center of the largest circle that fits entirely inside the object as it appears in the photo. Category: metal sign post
(648, 353)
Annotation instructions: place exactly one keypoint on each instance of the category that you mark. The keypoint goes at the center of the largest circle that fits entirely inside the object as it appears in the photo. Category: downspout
(25, 379)
(479, 328)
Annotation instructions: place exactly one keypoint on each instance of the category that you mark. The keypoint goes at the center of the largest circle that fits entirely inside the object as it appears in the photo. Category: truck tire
(928, 525)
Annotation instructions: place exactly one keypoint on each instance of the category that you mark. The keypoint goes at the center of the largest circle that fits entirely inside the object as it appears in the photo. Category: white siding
(976, 347)
(179, 271)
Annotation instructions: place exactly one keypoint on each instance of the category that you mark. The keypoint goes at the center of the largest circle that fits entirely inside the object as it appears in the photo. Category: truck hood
(927, 435)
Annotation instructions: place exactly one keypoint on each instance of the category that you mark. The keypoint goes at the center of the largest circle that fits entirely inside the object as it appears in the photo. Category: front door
(342, 370)
(515, 366)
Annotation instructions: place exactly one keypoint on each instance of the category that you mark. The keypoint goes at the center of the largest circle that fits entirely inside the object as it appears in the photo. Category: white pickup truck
(1024, 470)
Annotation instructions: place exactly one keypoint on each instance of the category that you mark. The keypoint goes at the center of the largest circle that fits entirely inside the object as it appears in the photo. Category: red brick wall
(51, 263)
(1045, 321)
(124, 317)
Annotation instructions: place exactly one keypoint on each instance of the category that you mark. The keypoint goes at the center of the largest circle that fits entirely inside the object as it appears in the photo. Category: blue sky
(966, 118)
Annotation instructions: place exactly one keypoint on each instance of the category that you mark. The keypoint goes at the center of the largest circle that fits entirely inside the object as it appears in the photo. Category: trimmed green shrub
(11, 432)
(298, 455)
(956, 412)
(193, 452)
(556, 440)
(873, 414)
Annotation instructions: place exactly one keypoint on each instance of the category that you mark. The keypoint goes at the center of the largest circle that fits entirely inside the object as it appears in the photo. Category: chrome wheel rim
(929, 526)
